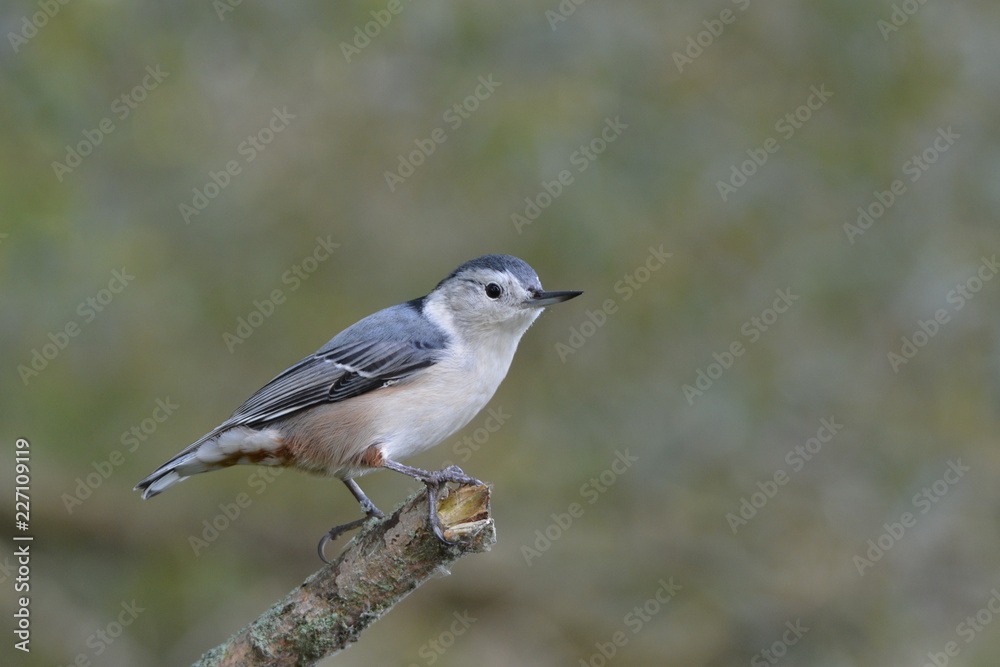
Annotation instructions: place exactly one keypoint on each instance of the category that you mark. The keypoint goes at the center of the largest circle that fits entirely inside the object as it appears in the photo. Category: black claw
(433, 489)
(434, 482)
(337, 531)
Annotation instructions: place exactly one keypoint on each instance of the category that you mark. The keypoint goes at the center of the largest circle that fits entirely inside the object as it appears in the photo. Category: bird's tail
(170, 473)
(223, 447)
(159, 481)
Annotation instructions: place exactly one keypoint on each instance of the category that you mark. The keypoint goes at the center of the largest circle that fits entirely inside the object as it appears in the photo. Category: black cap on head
(502, 263)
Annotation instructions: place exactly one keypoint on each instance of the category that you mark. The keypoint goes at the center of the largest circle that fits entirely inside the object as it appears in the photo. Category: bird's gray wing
(333, 376)
(380, 350)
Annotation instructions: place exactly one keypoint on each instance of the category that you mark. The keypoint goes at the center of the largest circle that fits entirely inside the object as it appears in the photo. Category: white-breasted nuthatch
(390, 386)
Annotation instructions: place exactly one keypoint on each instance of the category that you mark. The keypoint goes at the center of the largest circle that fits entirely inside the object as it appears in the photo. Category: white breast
(446, 396)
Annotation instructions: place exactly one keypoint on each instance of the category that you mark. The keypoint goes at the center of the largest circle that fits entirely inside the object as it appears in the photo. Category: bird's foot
(437, 482)
(454, 474)
(337, 531)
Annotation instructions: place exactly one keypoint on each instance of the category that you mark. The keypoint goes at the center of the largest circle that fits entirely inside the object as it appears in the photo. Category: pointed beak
(542, 299)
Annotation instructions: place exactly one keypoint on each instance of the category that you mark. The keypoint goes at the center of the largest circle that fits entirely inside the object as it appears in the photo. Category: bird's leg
(434, 481)
(367, 506)
(450, 474)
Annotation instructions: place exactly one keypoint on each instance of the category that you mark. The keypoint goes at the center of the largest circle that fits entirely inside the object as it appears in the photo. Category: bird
(390, 386)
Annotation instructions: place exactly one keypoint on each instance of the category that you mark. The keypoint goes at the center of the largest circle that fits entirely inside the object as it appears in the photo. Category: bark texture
(385, 561)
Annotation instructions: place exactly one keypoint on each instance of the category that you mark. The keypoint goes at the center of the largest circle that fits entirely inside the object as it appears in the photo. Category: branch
(383, 563)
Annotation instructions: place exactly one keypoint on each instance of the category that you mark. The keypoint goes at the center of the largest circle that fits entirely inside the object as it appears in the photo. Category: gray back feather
(381, 349)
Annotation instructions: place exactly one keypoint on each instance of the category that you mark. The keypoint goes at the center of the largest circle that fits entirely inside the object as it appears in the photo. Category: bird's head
(495, 293)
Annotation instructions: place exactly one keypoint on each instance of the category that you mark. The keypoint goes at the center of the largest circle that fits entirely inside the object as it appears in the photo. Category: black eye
(493, 290)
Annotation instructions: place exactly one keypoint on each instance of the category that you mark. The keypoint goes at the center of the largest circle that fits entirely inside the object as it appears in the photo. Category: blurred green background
(746, 135)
